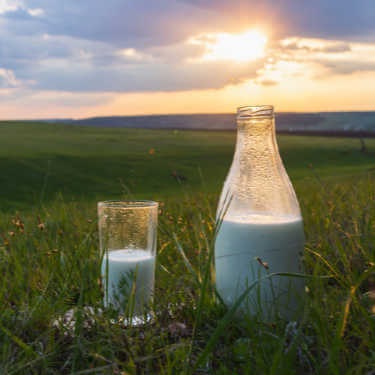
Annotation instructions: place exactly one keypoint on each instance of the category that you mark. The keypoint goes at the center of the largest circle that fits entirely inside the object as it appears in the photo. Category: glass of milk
(127, 235)
(260, 229)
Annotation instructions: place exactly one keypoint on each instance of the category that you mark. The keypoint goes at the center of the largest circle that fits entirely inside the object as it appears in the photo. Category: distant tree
(363, 145)
(362, 142)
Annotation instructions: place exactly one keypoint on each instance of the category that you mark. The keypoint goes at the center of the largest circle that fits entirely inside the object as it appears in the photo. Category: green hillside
(38, 161)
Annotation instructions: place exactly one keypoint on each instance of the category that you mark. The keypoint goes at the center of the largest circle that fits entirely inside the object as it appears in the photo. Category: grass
(52, 176)
(88, 164)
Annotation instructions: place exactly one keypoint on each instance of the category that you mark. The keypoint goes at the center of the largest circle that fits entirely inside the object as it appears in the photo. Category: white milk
(276, 241)
(124, 268)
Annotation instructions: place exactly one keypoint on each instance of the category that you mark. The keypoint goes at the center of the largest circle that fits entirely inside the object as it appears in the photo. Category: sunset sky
(85, 58)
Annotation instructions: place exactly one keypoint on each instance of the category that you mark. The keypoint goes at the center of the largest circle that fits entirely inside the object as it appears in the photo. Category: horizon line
(174, 114)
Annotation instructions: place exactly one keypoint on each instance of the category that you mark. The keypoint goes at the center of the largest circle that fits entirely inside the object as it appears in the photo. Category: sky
(75, 59)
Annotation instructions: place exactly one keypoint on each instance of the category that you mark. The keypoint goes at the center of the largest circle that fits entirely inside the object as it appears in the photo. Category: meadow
(52, 176)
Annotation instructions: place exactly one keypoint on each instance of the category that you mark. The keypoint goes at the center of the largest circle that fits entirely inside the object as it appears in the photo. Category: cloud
(144, 23)
(135, 46)
(331, 19)
(315, 45)
(71, 100)
(37, 12)
(337, 57)
(16, 9)
(126, 24)
(9, 5)
(266, 82)
(59, 75)
(12, 96)
(8, 79)
(347, 67)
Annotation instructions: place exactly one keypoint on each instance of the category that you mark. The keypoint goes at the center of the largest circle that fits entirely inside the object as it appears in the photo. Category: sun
(247, 46)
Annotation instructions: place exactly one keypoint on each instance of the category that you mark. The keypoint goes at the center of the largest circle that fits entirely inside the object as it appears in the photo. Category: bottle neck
(257, 183)
(260, 178)
(256, 140)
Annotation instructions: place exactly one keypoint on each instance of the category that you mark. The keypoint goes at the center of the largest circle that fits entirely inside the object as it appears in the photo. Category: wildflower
(5, 242)
(151, 151)
(41, 225)
(170, 218)
(263, 264)
(19, 224)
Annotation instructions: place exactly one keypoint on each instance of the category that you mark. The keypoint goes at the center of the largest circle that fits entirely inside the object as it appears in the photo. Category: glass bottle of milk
(260, 228)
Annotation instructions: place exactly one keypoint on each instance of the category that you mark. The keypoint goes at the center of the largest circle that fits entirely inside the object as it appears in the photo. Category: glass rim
(128, 204)
(254, 111)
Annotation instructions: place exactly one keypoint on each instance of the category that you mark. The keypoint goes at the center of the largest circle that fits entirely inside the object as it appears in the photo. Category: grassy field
(53, 175)
(39, 160)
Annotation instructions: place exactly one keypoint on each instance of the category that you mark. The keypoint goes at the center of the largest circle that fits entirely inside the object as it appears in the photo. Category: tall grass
(49, 262)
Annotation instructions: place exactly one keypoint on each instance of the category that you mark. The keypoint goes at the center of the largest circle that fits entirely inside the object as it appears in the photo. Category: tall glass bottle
(260, 224)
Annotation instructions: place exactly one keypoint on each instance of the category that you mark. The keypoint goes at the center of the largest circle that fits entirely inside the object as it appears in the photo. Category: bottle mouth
(256, 111)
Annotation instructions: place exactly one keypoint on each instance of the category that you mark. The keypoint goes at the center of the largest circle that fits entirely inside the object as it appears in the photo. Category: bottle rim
(254, 111)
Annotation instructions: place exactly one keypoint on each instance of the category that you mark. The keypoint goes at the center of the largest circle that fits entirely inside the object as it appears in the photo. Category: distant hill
(361, 123)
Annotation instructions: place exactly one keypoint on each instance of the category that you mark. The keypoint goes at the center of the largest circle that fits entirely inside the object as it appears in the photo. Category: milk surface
(128, 269)
(242, 242)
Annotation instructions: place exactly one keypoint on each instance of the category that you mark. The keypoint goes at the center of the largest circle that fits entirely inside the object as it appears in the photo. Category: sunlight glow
(247, 46)
(283, 71)
(133, 55)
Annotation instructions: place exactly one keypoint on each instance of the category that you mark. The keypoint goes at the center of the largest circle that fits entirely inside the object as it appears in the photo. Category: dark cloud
(139, 78)
(145, 23)
(331, 19)
(138, 23)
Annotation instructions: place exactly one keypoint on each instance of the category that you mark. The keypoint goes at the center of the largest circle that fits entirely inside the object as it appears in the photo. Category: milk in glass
(130, 279)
